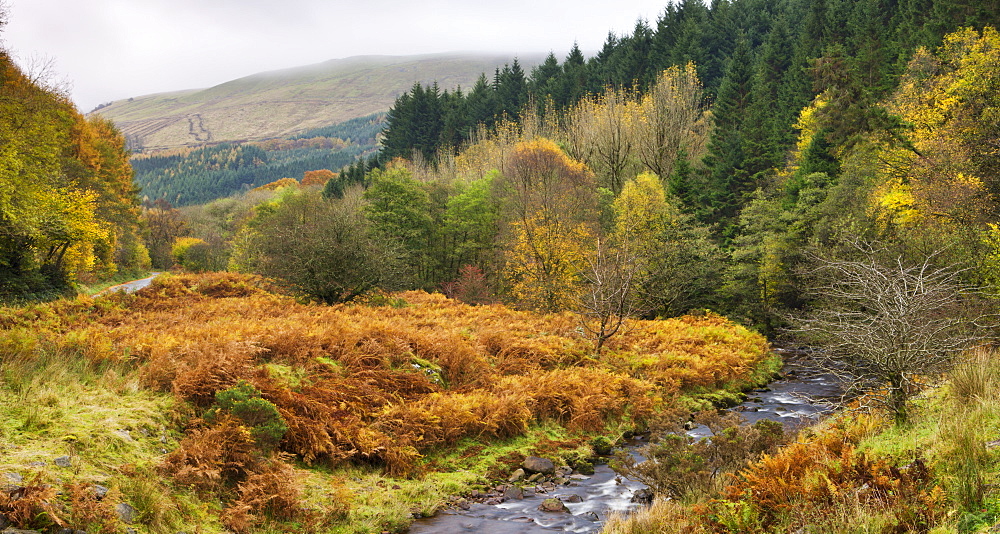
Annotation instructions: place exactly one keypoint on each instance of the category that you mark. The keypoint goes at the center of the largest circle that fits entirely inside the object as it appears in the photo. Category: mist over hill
(286, 102)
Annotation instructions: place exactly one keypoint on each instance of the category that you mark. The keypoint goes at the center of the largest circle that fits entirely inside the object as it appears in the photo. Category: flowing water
(797, 398)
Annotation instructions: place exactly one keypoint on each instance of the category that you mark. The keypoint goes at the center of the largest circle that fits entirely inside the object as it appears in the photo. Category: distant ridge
(285, 102)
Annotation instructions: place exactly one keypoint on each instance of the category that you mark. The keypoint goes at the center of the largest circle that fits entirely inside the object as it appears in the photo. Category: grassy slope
(858, 473)
(281, 103)
(440, 393)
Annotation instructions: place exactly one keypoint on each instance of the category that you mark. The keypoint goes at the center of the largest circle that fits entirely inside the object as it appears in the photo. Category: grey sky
(112, 49)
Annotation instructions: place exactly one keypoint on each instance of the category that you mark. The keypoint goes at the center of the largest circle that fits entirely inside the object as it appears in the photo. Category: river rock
(535, 477)
(643, 496)
(591, 516)
(583, 468)
(573, 498)
(535, 464)
(564, 470)
(513, 492)
(516, 476)
(553, 505)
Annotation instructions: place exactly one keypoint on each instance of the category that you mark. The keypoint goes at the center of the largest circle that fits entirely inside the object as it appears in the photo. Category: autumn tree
(164, 224)
(601, 130)
(67, 204)
(317, 178)
(672, 121)
(609, 296)
(673, 261)
(550, 208)
(322, 250)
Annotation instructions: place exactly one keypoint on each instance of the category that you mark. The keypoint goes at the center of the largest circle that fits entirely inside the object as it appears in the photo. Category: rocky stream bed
(548, 500)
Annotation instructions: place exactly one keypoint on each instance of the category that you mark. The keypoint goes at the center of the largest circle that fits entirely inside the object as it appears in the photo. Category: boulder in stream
(535, 464)
(553, 505)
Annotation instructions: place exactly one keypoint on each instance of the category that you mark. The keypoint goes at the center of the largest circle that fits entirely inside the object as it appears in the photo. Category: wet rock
(513, 493)
(602, 446)
(463, 504)
(591, 516)
(553, 505)
(563, 470)
(535, 477)
(516, 476)
(535, 464)
(573, 499)
(63, 461)
(580, 476)
(584, 468)
(643, 496)
(529, 493)
(125, 512)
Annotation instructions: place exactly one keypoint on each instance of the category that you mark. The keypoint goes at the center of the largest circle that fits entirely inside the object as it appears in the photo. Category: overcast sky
(111, 49)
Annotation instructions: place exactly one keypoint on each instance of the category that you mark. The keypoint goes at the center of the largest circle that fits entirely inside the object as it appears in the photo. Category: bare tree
(884, 327)
(609, 298)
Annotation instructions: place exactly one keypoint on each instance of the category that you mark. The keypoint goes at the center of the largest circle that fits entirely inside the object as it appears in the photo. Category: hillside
(347, 403)
(285, 102)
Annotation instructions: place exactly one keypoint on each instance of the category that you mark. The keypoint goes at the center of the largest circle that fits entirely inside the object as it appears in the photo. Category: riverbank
(363, 416)
(859, 472)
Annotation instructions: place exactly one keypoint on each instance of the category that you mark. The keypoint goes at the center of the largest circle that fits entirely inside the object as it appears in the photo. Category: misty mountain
(286, 102)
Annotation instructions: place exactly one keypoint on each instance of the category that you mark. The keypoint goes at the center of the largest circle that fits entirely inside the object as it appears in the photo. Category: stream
(796, 398)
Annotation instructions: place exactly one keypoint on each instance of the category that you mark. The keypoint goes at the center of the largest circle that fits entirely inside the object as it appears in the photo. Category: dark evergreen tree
(574, 80)
(729, 177)
(481, 104)
(511, 89)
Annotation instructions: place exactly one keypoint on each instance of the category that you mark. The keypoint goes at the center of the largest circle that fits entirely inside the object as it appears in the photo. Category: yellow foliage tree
(545, 261)
(946, 174)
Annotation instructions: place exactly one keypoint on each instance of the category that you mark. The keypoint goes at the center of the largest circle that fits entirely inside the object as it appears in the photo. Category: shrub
(244, 403)
(272, 492)
(32, 506)
(677, 465)
(209, 459)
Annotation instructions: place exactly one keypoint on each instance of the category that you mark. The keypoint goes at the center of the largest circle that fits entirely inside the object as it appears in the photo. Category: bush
(244, 403)
(678, 465)
(323, 250)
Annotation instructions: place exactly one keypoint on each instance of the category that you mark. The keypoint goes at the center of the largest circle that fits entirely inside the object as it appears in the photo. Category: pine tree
(726, 163)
